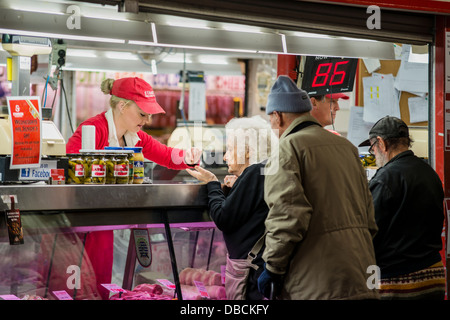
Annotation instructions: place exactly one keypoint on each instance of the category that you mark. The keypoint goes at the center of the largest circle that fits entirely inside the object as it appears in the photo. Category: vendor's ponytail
(107, 85)
(106, 88)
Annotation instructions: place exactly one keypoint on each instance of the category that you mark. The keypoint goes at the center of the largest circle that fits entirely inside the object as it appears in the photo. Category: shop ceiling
(130, 35)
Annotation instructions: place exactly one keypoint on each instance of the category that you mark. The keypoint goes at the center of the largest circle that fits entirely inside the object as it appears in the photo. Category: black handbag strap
(302, 126)
(255, 250)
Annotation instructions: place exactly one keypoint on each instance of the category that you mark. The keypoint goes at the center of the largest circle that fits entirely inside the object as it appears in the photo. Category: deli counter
(95, 242)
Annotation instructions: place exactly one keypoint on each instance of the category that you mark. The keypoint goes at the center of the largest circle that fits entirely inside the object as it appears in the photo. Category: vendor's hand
(265, 281)
(192, 156)
(202, 174)
(229, 180)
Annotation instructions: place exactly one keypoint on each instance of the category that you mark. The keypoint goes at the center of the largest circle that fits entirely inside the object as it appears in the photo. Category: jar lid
(135, 149)
(116, 150)
(113, 148)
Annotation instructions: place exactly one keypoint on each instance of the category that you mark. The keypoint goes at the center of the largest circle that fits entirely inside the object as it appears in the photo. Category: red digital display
(324, 75)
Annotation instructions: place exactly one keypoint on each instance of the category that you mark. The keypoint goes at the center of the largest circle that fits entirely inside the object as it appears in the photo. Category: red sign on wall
(25, 121)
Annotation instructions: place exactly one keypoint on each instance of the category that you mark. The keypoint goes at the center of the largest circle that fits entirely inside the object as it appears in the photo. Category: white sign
(43, 173)
(197, 101)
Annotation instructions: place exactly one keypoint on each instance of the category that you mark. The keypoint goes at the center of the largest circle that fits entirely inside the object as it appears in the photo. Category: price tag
(114, 288)
(166, 283)
(62, 295)
(8, 297)
(201, 289)
(14, 224)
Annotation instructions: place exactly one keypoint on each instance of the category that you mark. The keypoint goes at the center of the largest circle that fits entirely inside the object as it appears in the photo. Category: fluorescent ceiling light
(40, 11)
(238, 28)
(144, 43)
(36, 8)
(121, 55)
(59, 36)
(147, 43)
(176, 58)
(357, 39)
(81, 53)
(311, 35)
(187, 23)
(271, 52)
(70, 68)
(205, 59)
(105, 17)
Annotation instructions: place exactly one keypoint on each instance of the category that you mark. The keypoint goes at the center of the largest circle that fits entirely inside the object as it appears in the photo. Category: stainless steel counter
(79, 208)
(93, 207)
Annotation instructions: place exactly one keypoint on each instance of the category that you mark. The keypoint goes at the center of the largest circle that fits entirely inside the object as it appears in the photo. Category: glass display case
(127, 242)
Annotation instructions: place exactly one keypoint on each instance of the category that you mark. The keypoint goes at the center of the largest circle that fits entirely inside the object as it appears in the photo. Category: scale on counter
(53, 148)
(209, 138)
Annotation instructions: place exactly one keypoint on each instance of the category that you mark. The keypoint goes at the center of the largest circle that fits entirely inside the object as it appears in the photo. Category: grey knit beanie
(285, 96)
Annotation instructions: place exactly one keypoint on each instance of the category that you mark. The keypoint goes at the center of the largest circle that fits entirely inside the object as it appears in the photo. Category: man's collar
(298, 120)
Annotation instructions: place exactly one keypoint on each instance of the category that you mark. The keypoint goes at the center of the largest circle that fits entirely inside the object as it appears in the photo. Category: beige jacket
(321, 219)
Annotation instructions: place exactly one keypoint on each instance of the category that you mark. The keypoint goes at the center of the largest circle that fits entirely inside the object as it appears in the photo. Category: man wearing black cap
(408, 199)
(321, 217)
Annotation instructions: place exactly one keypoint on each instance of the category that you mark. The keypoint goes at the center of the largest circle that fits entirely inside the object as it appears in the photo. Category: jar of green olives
(110, 166)
(94, 168)
(75, 169)
(121, 168)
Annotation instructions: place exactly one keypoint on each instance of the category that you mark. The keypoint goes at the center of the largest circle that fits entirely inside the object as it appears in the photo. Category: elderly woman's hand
(202, 174)
(229, 180)
(192, 156)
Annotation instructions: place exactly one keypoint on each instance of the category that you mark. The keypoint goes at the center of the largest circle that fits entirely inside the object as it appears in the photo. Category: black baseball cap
(387, 127)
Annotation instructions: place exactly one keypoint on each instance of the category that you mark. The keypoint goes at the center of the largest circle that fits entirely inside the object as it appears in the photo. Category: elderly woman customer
(240, 214)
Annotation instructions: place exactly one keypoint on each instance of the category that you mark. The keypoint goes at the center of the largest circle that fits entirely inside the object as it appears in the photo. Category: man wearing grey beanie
(321, 216)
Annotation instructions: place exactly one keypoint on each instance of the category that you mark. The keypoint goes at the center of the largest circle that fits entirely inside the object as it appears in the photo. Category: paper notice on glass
(372, 64)
(358, 129)
(197, 101)
(418, 109)
(380, 97)
(412, 76)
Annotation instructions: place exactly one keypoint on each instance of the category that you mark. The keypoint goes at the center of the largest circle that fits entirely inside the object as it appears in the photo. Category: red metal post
(287, 65)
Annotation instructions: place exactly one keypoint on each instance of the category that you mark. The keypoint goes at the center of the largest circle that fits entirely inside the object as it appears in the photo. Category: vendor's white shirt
(131, 138)
(121, 237)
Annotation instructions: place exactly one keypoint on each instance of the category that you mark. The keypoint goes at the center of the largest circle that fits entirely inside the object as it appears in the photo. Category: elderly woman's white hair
(253, 135)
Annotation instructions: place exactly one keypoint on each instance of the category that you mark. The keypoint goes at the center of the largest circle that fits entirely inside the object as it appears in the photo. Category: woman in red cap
(132, 102)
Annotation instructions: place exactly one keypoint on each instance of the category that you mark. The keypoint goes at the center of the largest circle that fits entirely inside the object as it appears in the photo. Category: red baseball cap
(139, 91)
(338, 96)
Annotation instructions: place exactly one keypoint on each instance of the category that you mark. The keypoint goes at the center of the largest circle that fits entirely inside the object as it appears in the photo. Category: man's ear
(279, 118)
(313, 101)
(381, 144)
